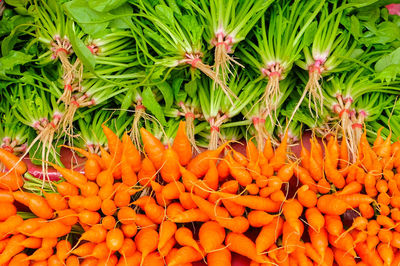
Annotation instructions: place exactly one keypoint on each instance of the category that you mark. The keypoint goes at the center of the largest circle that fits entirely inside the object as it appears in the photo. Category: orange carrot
(19, 260)
(40, 207)
(253, 202)
(269, 234)
(306, 197)
(210, 209)
(11, 180)
(146, 241)
(354, 200)
(153, 147)
(131, 154)
(167, 230)
(334, 225)
(147, 173)
(12, 248)
(199, 165)
(184, 237)
(73, 177)
(371, 256)
(238, 224)
(188, 216)
(242, 245)
(315, 219)
(51, 229)
(279, 158)
(221, 257)
(185, 255)
(331, 205)
(11, 161)
(66, 189)
(182, 145)
(291, 236)
(170, 168)
(259, 218)
(211, 236)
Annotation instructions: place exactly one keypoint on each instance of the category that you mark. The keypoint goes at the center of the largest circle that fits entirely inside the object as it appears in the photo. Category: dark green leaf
(355, 27)
(104, 6)
(191, 88)
(165, 14)
(13, 59)
(80, 48)
(152, 105)
(166, 91)
(176, 85)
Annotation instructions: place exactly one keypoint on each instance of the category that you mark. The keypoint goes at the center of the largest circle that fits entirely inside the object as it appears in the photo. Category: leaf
(126, 102)
(17, 3)
(165, 14)
(166, 91)
(176, 86)
(389, 73)
(159, 39)
(124, 22)
(14, 58)
(386, 60)
(310, 33)
(80, 48)
(355, 27)
(104, 6)
(191, 88)
(91, 21)
(152, 105)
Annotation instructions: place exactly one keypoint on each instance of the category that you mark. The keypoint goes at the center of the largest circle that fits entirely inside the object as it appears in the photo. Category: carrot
(133, 260)
(332, 174)
(199, 165)
(343, 258)
(39, 206)
(128, 175)
(40, 254)
(259, 218)
(63, 247)
(32, 242)
(11, 180)
(85, 249)
(223, 169)
(351, 188)
(56, 201)
(185, 199)
(154, 212)
(147, 172)
(238, 224)
(114, 239)
(315, 219)
(173, 190)
(269, 234)
(153, 259)
(345, 243)
(343, 155)
(239, 172)
(73, 177)
(371, 256)
(354, 200)
(211, 177)
(90, 262)
(66, 189)
(6, 196)
(89, 217)
(319, 240)
(92, 169)
(211, 236)
(385, 221)
(233, 208)
(331, 205)
(167, 230)
(184, 237)
(170, 166)
(385, 236)
(221, 257)
(122, 198)
(51, 229)
(7, 210)
(10, 225)
(334, 225)
(153, 147)
(96, 234)
(98, 251)
(12, 248)
(12, 161)
(306, 197)
(303, 175)
(164, 251)
(129, 230)
(130, 152)
(291, 235)
(243, 245)
(185, 255)
(278, 160)
(209, 208)
(182, 145)
(49, 242)
(285, 173)
(188, 216)
(19, 260)
(292, 210)
(146, 241)
(253, 202)
(30, 225)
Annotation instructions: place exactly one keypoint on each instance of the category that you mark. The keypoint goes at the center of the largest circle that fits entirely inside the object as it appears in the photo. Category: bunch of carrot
(129, 209)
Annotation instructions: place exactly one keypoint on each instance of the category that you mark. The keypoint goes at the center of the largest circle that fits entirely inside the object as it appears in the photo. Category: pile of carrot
(169, 207)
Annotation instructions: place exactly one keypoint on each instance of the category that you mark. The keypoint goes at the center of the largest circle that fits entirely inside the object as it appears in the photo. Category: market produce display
(155, 95)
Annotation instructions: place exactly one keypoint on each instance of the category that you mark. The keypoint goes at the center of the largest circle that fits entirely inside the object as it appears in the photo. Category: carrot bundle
(144, 215)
